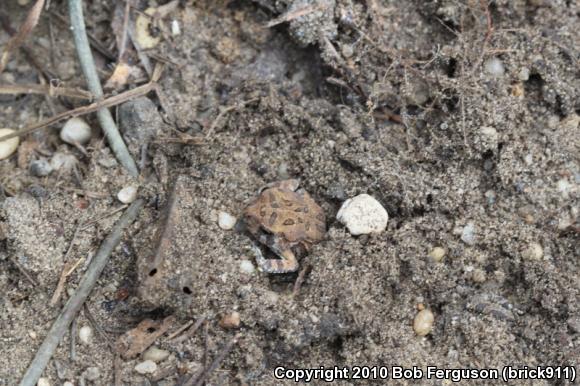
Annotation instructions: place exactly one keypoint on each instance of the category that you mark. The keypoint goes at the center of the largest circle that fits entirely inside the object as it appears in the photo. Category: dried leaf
(119, 77)
(137, 340)
(23, 32)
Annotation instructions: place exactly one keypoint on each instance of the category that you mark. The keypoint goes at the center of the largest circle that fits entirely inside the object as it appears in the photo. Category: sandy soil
(461, 119)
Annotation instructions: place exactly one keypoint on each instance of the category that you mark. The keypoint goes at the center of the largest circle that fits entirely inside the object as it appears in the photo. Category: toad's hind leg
(287, 263)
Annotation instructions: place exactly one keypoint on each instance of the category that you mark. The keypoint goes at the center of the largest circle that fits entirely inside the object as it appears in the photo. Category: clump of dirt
(460, 118)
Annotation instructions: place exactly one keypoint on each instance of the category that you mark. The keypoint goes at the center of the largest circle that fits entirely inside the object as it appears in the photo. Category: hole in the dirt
(429, 199)
(187, 290)
(151, 330)
(451, 68)
(153, 272)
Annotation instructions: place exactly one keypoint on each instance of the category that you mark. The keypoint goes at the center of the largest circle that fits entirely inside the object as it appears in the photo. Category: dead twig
(174, 338)
(289, 16)
(45, 89)
(76, 301)
(109, 102)
(225, 111)
(200, 379)
(300, 279)
(24, 272)
(23, 32)
(104, 116)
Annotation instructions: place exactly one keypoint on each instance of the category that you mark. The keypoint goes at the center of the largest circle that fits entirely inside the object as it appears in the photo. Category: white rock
(226, 221)
(128, 194)
(490, 137)
(468, 234)
(363, 215)
(246, 266)
(437, 254)
(534, 252)
(423, 323)
(8, 147)
(494, 67)
(155, 354)
(63, 162)
(86, 334)
(524, 74)
(43, 382)
(67, 383)
(146, 367)
(92, 373)
(175, 29)
(76, 131)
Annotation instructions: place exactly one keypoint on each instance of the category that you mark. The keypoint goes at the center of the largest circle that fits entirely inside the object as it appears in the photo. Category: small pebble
(76, 131)
(8, 147)
(524, 74)
(468, 234)
(40, 168)
(533, 252)
(363, 215)
(92, 373)
(43, 382)
(155, 354)
(67, 383)
(175, 29)
(127, 195)
(231, 320)
(437, 254)
(494, 67)
(478, 275)
(146, 367)
(86, 334)
(489, 137)
(423, 323)
(226, 221)
(246, 266)
(63, 162)
(32, 334)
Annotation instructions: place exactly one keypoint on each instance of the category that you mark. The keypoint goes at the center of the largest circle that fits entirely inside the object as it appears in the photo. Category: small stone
(92, 373)
(478, 275)
(524, 74)
(43, 382)
(40, 168)
(146, 367)
(127, 195)
(86, 334)
(231, 320)
(468, 234)
(67, 383)
(494, 67)
(489, 137)
(76, 131)
(423, 323)
(246, 266)
(533, 252)
(63, 162)
(226, 221)
(175, 29)
(155, 354)
(437, 254)
(363, 215)
(8, 147)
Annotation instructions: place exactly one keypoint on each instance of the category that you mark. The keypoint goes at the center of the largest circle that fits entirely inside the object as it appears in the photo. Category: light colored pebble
(76, 131)
(231, 320)
(478, 275)
(155, 354)
(533, 252)
(128, 194)
(468, 234)
(63, 162)
(146, 367)
(564, 187)
(40, 168)
(494, 67)
(489, 137)
(86, 334)
(43, 382)
(226, 221)
(92, 373)
(32, 334)
(246, 266)
(524, 74)
(363, 215)
(423, 323)
(67, 383)
(437, 254)
(175, 29)
(8, 147)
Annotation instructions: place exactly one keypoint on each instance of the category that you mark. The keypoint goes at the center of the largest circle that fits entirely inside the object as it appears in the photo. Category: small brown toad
(287, 221)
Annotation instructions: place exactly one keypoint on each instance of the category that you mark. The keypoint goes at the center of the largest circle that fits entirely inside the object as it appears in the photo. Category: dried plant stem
(74, 304)
(89, 70)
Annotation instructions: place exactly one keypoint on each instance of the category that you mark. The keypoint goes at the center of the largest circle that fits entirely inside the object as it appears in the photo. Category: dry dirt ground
(460, 117)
